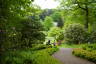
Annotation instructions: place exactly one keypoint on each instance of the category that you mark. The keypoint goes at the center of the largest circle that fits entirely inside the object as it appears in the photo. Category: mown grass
(30, 56)
(72, 45)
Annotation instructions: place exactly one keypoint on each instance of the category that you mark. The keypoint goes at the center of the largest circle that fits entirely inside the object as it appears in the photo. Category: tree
(83, 6)
(46, 12)
(57, 17)
(32, 32)
(48, 23)
(56, 32)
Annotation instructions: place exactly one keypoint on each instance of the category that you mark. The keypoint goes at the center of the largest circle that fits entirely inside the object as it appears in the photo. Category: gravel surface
(65, 56)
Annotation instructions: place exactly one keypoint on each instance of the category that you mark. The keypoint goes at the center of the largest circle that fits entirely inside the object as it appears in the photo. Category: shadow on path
(65, 56)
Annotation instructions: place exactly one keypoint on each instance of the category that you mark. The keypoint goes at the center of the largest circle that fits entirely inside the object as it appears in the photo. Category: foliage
(48, 23)
(56, 32)
(57, 17)
(29, 56)
(89, 47)
(32, 32)
(80, 11)
(45, 13)
(38, 46)
(52, 50)
(11, 14)
(93, 37)
(74, 33)
(85, 54)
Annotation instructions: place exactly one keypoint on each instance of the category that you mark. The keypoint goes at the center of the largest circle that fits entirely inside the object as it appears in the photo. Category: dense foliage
(56, 33)
(32, 32)
(74, 33)
(93, 37)
(48, 23)
(90, 55)
(88, 51)
(38, 55)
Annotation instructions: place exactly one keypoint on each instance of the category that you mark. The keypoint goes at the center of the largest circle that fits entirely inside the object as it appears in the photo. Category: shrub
(43, 57)
(85, 54)
(39, 47)
(93, 37)
(29, 56)
(57, 33)
(50, 51)
(89, 47)
(31, 32)
(74, 33)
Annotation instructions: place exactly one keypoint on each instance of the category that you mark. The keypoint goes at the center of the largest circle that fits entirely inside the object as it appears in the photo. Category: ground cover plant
(30, 56)
(88, 52)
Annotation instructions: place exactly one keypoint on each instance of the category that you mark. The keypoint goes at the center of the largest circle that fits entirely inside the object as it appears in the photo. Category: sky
(49, 4)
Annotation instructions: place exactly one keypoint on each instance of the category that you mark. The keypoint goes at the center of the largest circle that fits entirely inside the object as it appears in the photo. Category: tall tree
(48, 23)
(10, 11)
(85, 6)
(57, 17)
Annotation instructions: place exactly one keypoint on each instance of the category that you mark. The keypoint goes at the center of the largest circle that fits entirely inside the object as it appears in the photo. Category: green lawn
(72, 45)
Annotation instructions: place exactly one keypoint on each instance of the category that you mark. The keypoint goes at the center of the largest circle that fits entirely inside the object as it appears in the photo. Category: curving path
(65, 56)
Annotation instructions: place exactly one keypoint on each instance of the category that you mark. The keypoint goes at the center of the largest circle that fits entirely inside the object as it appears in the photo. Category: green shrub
(31, 32)
(89, 47)
(57, 33)
(39, 47)
(51, 50)
(85, 54)
(93, 37)
(74, 33)
(29, 56)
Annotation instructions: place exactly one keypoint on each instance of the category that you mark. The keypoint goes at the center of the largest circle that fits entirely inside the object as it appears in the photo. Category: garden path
(65, 56)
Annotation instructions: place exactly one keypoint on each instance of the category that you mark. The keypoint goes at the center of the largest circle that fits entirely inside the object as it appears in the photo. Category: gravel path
(65, 56)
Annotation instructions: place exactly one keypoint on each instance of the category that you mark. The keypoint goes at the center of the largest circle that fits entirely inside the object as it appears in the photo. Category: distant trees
(46, 12)
(57, 17)
(48, 23)
(57, 33)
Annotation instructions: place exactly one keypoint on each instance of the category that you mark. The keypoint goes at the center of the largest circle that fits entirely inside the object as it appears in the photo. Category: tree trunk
(87, 17)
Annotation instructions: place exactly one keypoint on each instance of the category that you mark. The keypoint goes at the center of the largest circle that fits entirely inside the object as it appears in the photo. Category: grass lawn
(72, 45)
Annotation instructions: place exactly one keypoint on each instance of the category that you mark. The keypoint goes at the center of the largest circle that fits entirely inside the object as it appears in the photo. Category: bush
(93, 37)
(74, 33)
(31, 32)
(28, 56)
(57, 33)
(50, 51)
(89, 47)
(85, 54)
(43, 57)
(39, 47)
